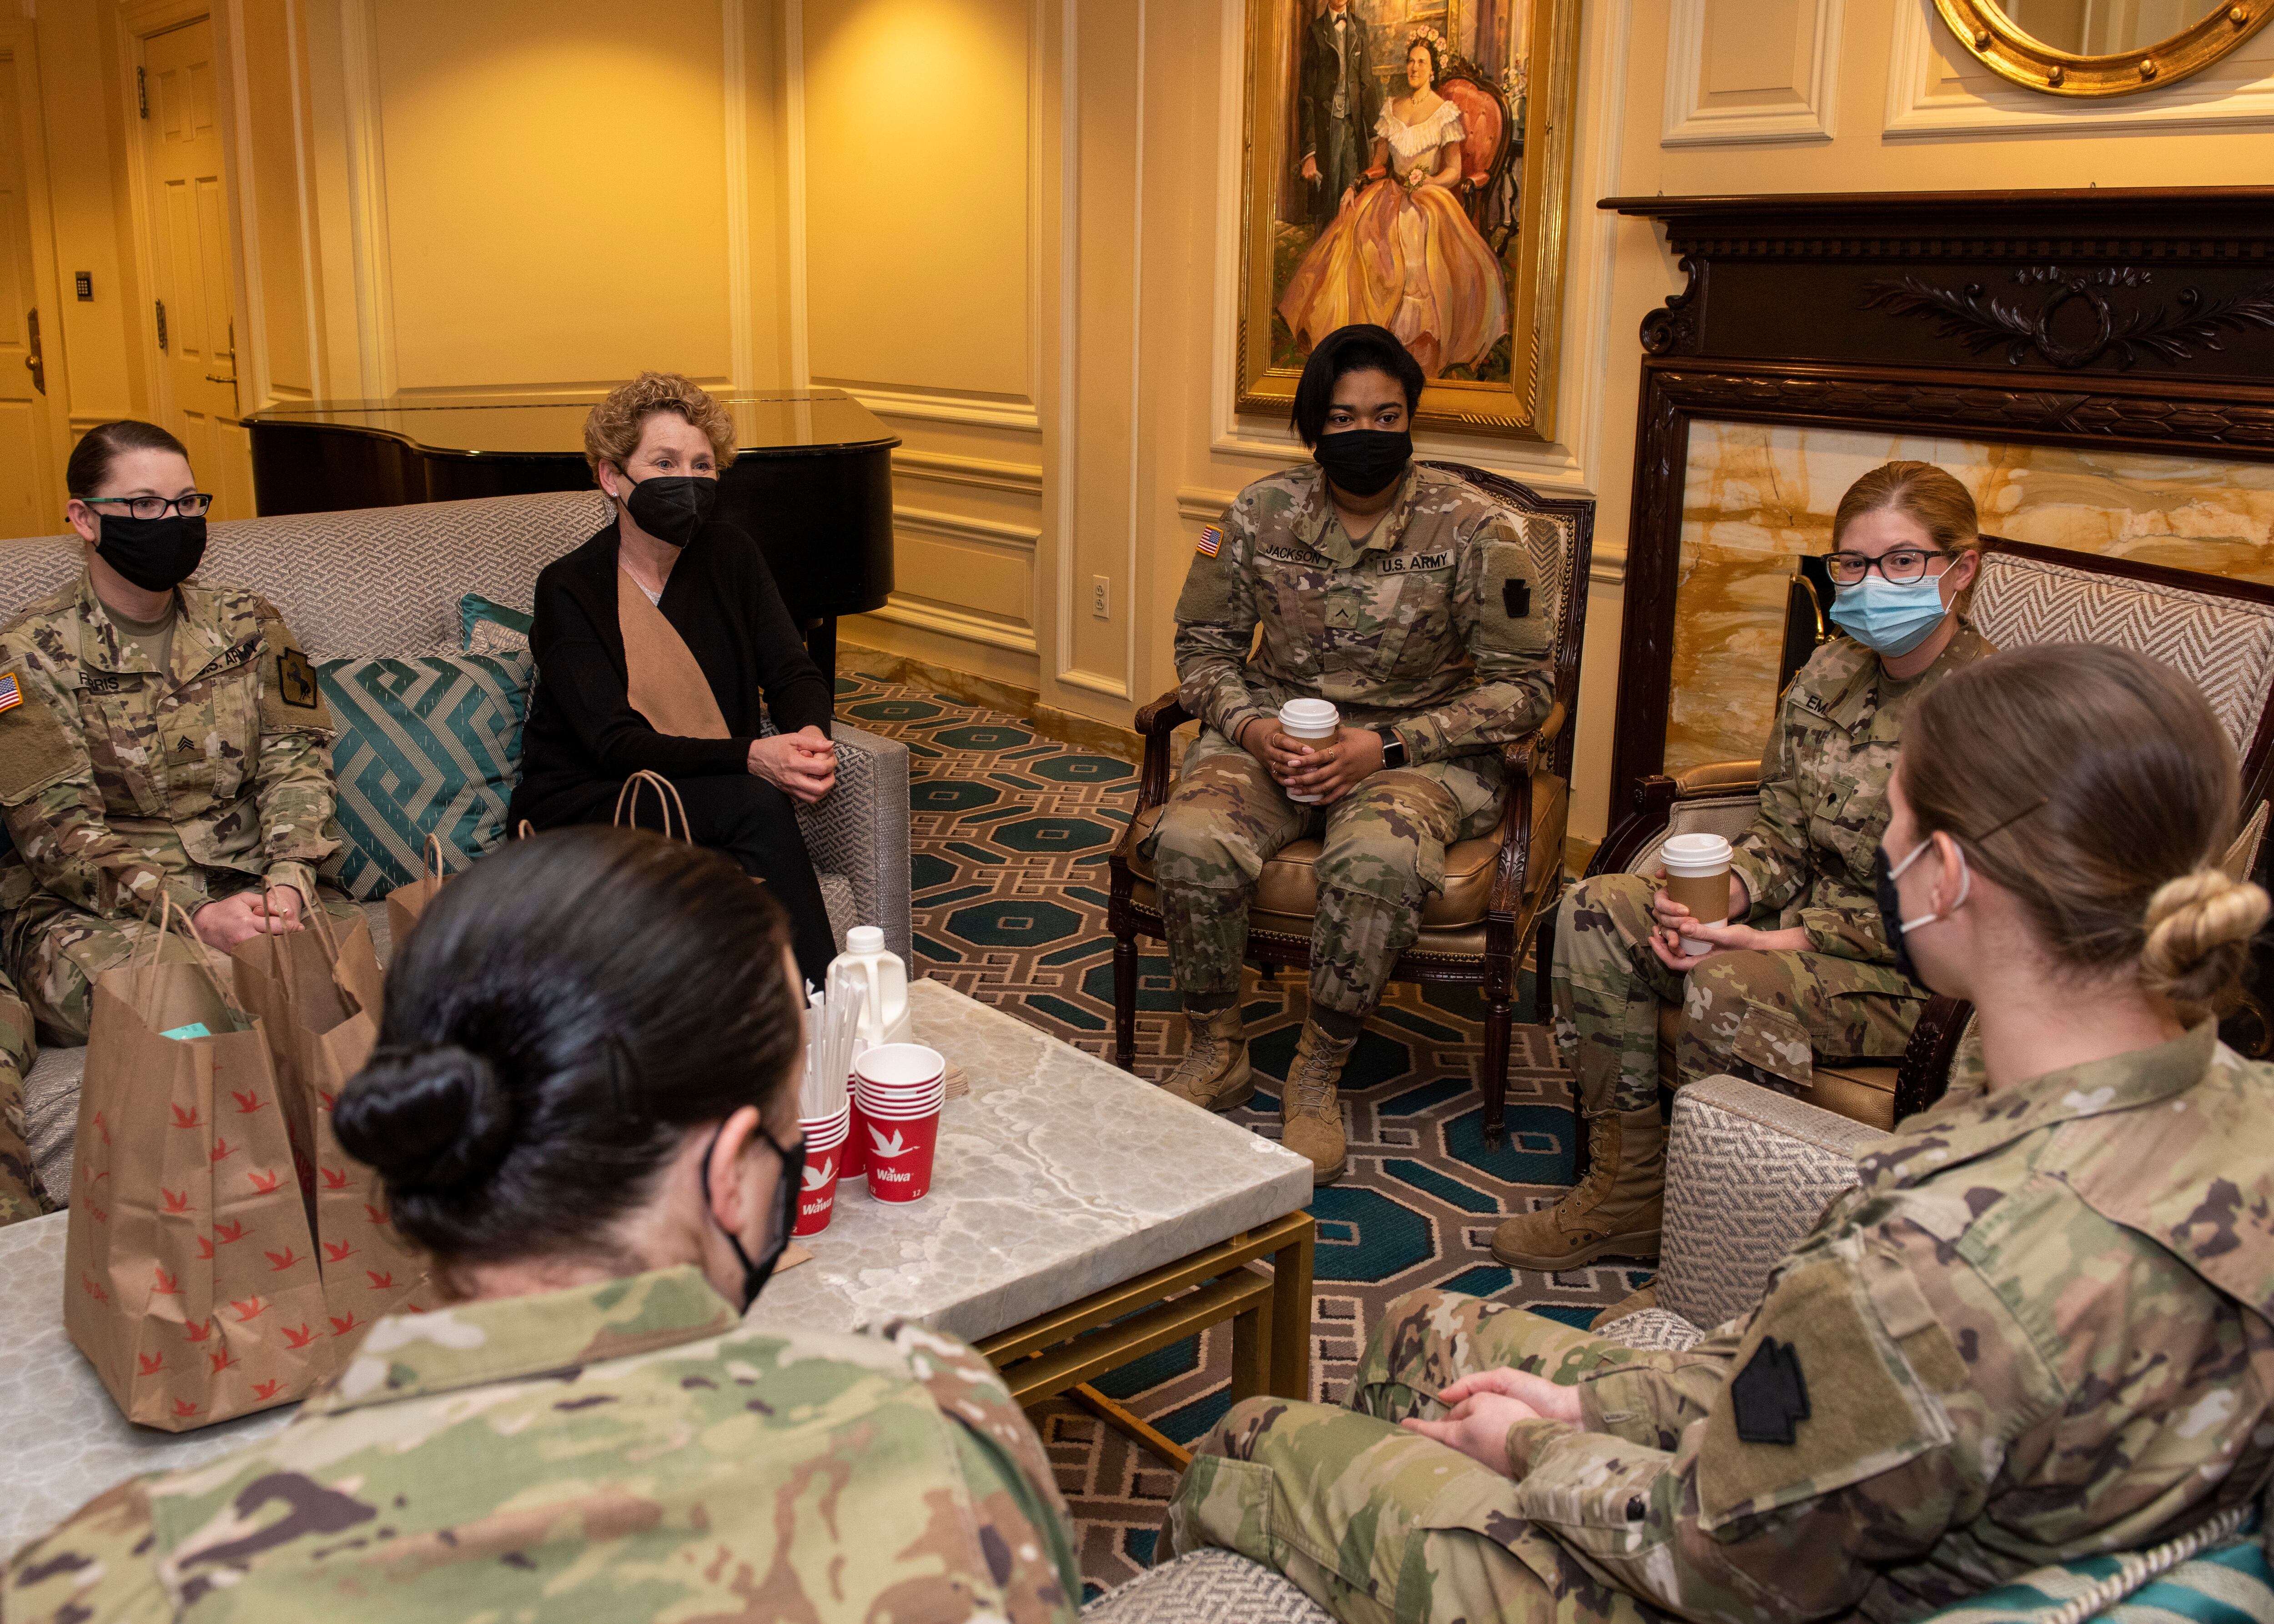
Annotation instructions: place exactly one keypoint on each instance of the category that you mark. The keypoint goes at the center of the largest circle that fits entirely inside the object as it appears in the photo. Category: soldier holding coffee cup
(1798, 964)
(1404, 639)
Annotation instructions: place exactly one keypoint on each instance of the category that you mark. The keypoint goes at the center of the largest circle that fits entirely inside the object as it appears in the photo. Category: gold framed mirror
(2101, 48)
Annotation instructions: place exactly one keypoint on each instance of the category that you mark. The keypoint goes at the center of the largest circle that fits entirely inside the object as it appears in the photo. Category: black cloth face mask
(671, 507)
(155, 554)
(757, 1272)
(1363, 461)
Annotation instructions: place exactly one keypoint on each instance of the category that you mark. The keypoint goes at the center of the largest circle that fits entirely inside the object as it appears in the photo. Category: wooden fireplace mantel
(2133, 319)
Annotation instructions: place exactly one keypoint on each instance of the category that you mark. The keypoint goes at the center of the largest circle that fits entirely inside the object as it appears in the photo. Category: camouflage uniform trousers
(57, 953)
(1764, 1014)
(19, 1189)
(1377, 1524)
(1385, 854)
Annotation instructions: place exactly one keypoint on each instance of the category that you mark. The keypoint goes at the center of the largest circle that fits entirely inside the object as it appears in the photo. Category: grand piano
(812, 482)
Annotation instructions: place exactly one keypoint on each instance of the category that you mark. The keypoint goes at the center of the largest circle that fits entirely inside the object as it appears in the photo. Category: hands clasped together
(1483, 1406)
(803, 765)
(249, 913)
(1326, 770)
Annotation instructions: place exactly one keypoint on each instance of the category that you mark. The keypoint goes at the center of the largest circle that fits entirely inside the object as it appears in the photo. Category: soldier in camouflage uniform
(122, 781)
(626, 1450)
(1804, 968)
(2006, 1349)
(19, 1184)
(1430, 629)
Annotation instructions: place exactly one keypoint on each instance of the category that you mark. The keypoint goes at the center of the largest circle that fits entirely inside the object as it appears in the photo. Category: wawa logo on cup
(898, 1090)
(824, 1161)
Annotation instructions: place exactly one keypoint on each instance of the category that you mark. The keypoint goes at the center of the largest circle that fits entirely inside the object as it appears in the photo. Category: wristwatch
(1393, 748)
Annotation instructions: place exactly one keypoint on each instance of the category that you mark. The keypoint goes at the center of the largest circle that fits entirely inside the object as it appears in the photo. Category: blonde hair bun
(2199, 928)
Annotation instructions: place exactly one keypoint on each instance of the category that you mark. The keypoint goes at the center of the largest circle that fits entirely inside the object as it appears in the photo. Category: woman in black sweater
(660, 643)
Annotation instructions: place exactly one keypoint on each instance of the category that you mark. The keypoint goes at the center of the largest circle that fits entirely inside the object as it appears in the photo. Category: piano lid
(798, 422)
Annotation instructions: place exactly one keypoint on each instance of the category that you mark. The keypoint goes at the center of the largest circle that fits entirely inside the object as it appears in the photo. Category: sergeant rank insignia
(1769, 1398)
(296, 679)
(11, 691)
(1211, 538)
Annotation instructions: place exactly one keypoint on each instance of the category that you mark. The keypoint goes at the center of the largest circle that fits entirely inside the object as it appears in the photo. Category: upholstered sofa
(388, 582)
(1748, 1173)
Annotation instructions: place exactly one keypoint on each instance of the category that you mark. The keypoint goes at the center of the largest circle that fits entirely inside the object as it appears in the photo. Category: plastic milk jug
(884, 1011)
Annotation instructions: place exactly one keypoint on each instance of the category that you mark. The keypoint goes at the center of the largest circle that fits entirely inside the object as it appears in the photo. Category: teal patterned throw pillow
(428, 744)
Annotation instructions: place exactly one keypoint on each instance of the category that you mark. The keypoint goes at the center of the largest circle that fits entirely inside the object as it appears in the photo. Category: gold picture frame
(1517, 209)
(2011, 52)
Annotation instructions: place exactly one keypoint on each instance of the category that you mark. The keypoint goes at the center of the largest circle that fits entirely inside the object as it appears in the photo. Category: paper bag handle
(667, 793)
(147, 976)
(430, 865)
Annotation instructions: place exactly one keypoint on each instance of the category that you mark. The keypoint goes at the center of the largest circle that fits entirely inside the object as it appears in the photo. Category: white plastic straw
(830, 1033)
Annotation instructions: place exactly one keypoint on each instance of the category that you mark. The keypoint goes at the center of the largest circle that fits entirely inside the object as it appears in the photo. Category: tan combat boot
(1615, 1209)
(1214, 1073)
(1309, 1107)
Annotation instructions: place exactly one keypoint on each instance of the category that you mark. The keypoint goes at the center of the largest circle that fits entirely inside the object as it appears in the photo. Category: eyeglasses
(191, 507)
(1902, 566)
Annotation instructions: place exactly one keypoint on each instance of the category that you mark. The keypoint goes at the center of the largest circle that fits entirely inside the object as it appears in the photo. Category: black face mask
(1363, 461)
(671, 507)
(1891, 915)
(155, 554)
(757, 1272)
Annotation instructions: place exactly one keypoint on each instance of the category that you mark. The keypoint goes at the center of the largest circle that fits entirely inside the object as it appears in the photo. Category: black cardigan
(583, 736)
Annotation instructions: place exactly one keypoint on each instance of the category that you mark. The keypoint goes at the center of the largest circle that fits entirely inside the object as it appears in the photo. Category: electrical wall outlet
(1101, 598)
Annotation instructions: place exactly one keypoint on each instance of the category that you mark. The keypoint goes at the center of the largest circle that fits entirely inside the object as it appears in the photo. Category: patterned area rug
(1011, 831)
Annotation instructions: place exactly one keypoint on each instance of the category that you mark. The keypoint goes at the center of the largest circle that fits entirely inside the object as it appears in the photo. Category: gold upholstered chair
(2219, 633)
(1496, 888)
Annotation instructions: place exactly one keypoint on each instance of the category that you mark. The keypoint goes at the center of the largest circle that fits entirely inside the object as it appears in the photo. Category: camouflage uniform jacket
(119, 782)
(1806, 860)
(2041, 1329)
(1436, 623)
(626, 1450)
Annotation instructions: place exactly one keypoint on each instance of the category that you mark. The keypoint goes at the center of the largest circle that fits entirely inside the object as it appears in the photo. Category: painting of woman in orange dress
(1401, 251)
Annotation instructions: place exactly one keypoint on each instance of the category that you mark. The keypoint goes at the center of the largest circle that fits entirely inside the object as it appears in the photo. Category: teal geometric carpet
(1011, 828)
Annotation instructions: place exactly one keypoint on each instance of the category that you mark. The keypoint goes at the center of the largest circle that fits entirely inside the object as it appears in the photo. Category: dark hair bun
(429, 1118)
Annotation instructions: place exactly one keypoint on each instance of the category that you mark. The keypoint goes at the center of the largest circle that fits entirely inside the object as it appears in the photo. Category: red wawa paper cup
(825, 1158)
(898, 1090)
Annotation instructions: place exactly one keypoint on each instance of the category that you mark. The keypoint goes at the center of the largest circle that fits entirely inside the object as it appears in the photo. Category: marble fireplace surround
(2098, 367)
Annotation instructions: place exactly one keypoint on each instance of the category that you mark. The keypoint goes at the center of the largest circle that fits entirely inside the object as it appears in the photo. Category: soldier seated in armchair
(1803, 967)
(2041, 1329)
(1402, 595)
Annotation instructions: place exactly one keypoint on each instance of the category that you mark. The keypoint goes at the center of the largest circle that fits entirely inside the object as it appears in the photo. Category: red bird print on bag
(87, 1282)
(221, 1360)
(251, 1309)
(198, 1332)
(264, 1182)
(265, 1389)
(234, 1230)
(381, 1282)
(205, 1247)
(334, 1178)
(338, 1251)
(246, 1103)
(103, 1127)
(223, 1147)
(300, 1338)
(176, 1200)
(341, 1327)
(374, 1213)
(278, 1261)
(186, 1118)
(151, 1362)
(167, 1286)
(183, 1408)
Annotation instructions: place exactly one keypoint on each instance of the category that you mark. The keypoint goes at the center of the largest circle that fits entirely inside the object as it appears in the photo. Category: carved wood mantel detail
(2119, 319)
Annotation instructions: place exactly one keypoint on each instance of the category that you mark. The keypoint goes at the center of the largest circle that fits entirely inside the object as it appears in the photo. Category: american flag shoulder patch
(11, 691)
(1211, 538)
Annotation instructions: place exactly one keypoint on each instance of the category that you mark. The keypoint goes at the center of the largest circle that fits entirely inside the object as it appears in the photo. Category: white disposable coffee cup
(1697, 878)
(1310, 720)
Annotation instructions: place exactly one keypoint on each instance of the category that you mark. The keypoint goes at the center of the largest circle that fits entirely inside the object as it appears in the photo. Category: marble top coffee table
(1067, 1195)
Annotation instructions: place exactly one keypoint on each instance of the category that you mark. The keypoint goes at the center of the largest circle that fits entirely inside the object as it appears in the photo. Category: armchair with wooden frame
(2219, 633)
(1496, 888)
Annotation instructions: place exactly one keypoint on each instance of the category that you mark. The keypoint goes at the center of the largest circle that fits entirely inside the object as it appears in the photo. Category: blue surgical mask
(1890, 617)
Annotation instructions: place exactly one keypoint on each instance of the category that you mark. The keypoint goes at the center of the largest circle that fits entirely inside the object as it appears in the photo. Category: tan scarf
(661, 679)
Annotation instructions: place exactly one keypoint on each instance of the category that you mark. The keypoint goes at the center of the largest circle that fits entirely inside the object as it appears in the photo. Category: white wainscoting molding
(950, 622)
(1696, 117)
(960, 527)
(1926, 100)
(977, 410)
(1196, 506)
(984, 473)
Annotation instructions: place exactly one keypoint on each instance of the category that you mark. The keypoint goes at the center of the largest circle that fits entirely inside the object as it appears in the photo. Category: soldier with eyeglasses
(1802, 968)
(158, 738)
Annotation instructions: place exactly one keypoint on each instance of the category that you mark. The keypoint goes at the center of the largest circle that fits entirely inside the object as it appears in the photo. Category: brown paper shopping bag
(406, 903)
(191, 1280)
(317, 992)
(666, 796)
